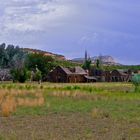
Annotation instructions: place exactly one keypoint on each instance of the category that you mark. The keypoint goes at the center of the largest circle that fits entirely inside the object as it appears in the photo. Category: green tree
(43, 63)
(38, 76)
(136, 82)
(2, 54)
(98, 63)
(11, 56)
(87, 64)
(20, 75)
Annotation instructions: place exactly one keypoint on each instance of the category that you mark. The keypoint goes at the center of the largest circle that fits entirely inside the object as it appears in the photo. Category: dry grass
(30, 102)
(99, 114)
(11, 99)
(79, 95)
(8, 106)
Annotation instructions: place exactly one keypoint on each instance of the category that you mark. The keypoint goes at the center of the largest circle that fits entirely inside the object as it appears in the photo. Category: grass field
(100, 111)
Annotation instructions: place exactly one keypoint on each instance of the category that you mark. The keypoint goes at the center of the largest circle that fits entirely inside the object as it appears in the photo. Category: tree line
(36, 66)
(11, 56)
(27, 66)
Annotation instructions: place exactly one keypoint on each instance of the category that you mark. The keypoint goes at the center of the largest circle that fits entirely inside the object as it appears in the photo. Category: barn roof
(66, 70)
(121, 72)
(91, 78)
(77, 70)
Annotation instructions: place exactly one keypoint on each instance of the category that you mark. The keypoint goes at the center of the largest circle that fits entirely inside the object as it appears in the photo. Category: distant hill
(106, 60)
(56, 56)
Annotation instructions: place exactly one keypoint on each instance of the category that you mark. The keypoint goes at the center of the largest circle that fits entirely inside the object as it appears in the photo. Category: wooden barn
(120, 76)
(112, 76)
(98, 74)
(107, 76)
(67, 75)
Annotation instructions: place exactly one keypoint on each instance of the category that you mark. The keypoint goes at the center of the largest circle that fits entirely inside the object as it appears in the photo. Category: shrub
(20, 75)
(38, 75)
(136, 81)
(40, 61)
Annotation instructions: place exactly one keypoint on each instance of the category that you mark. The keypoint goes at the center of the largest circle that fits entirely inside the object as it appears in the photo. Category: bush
(41, 62)
(136, 81)
(20, 75)
(38, 75)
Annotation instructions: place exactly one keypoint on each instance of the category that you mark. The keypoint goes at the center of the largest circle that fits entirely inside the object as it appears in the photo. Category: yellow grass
(68, 94)
(98, 113)
(8, 106)
(11, 99)
(78, 95)
(30, 102)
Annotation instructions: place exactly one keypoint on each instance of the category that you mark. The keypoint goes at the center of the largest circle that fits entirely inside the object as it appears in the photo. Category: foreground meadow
(100, 111)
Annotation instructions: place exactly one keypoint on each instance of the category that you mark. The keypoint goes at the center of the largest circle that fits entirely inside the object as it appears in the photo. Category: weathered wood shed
(107, 76)
(120, 76)
(98, 74)
(67, 75)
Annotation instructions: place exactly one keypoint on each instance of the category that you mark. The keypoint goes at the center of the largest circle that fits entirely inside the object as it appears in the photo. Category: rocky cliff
(56, 56)
(106, 60)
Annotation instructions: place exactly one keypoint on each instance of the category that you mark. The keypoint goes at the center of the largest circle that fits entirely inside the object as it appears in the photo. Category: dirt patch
(69, 126)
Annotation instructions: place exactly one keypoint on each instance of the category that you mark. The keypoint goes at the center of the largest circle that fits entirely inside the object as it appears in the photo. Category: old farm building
(120, 76)
(79, 75)
(112, 76)
(67, 75)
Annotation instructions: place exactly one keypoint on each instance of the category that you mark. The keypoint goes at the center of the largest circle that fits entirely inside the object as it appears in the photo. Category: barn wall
(76, 78)
(118, 77)
(57, 75)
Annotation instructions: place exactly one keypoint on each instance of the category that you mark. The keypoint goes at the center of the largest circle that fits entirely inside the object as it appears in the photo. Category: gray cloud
(68, 26)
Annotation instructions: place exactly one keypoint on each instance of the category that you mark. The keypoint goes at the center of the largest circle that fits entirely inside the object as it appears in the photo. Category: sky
(69, 27)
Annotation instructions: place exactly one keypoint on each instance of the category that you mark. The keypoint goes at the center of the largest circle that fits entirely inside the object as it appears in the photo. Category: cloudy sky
(68, 27)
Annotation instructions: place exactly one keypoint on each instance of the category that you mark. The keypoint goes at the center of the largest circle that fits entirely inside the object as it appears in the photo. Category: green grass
(118, 99)
(116, 109)
(1, 137)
